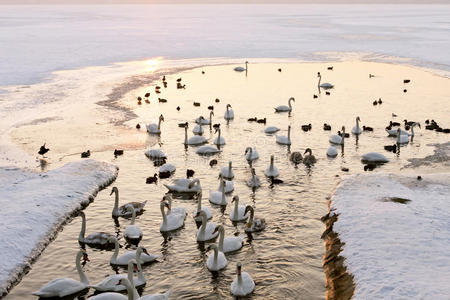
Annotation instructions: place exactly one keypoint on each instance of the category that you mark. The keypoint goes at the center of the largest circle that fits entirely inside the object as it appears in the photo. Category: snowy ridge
(395, 250)
(34, 205)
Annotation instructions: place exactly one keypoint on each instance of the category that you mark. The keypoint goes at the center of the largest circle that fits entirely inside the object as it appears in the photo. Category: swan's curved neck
(289, 103)
(204, 221)
(199, 202)
(320, 78)
(116, 202)
(271, 163)
(221, 238)
(83, 278)
(116, 251)
(163, 213)
(133, 215)
(159, 123)
(185, 135)
(289, 134)
(83, 227)
(223, 193)
(412, 130)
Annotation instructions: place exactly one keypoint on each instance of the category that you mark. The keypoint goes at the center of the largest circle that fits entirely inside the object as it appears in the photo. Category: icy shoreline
(36, 205)
(395, 249)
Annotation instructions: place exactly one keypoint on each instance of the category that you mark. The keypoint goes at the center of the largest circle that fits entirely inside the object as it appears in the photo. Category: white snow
(394, 250)
(33, 205)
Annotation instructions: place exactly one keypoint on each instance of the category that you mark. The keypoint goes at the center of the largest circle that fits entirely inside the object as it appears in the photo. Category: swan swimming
(206, 232)
(111, 283)
(198, 129)
(172, 221)
(193, 140)
(251, 154)
(356, 129)
(338, 139)
(183, 185)
(155, 128)
(402, 138)
(205, 209)
(227, 172)
(271, 169)
(132, 232)
(332, 151)
(243, 284)
(325, 85)
(285, 140)
(216, 260)
(207, 150)
(254, 181)
(174, 210)
(271, 129)
(374, 157)
(219, 140)
(201, 120)
(242, 69)
(238, 213)
(229, 114)
(229, 243)
(155, 154)
(254, 224)
(122, 211)
(284, 108)
(141, 255)
(96, 239)
(228, 184)
(218, 197)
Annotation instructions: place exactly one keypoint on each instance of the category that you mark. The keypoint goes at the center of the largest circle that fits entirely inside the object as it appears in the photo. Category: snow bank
(34, 205)
(395, 249)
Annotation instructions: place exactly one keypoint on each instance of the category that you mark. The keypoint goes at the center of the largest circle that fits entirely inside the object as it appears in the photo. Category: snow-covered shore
(34, 205)
(394, 248)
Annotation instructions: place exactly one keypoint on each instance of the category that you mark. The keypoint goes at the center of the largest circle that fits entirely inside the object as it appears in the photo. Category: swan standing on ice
(227, 172)
(216, 260)
(332, 151)
(184, 185)
(132, 232)
(219, 140)
(285, 140)
(284, 108)
(338, 139)
(112, 282)
(229, 114)
(243, 284)
(357, 130)
(155, 128)
(271, 129)
(324, 85)
(206, 232)
(170, 222)
(228, 184)
(251, 155)
(122, 211)
(374, 157)
(271, 169)
(205, 209)
(194, 140)
(238, 213)
(96, 239)
(242, 69)
(309, 159)
(229, 243)
(254, 181)
(141, 255)
(218, 197)
(62, 287)
(254, 224)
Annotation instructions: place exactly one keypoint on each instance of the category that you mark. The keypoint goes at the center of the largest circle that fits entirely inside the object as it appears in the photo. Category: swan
(254, 181)
(227, 172)
(374, 157)
(131, 291)
(285, 140)
(238, 213)
(309, 159)
(332, 151)
(122, 210)
(394, 132)
(254, 224)
(271, 129)
(218, 197)
(251, 154)
(62, 287)
(198, 130)
(123, 259)
(229, 114)
(219, 140)
(284, 108)
(194, 140)
(112, 282)
(206, 232)
(96, 239)
(155, 128)
(296, 157)
(174, 210)
(412, 128)
(271, 169)
(205, 209)
(202, 121)
(402, 138)
(242, 69)
(155, 154)
(183, 185)
(338, 139)
(324, 85)
(172, 221)
(357, 130)
(158, 296)
(229, 243)
(243, 284)
(207, 150)
(167, 168)
(132, 232)
(216, 260)
(229, 184)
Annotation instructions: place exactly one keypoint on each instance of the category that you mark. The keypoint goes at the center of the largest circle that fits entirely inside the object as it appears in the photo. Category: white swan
(167, 168)
(62, 287)
(227, 172)
(324, 85)
(254, 224)
(284, 108)
(170, 222)
(122, 210)
(206, 232)
(96, 239)
(229, 114)
(174, 210)
(238, 213)
(205, 209)
(338, 139)
(374, 157)
(131, 291)
(219, 140)
(271, 169)
(229, 243)
(155, 128)
(132, 232)
(402, 138)
(194, 140)
(394, 132)
(112, 282)
(207, 150)
(216, 260)
(251, 154)
(285, 140)
(254, 181)
(155, 154)
(356, 129)
(241, 69)
(332, 151)
(198, 129)
(271, 129)
(158, 296)
(228, 184)
(141, 255)
(201, 120)
(218, 197)
(183, 185)
(243, 284)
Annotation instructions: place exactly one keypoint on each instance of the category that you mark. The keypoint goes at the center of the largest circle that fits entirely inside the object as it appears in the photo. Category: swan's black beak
(216, 229)
(145, 251)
